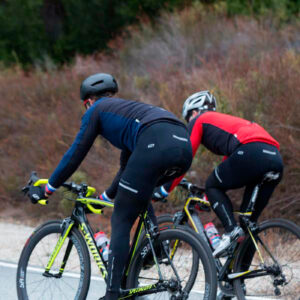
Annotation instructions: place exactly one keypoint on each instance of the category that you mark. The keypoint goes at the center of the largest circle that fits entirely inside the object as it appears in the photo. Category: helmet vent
(97, 82)
(98, 85)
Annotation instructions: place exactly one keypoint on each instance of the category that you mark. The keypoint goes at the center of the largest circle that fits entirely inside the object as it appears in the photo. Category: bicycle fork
(66, 225)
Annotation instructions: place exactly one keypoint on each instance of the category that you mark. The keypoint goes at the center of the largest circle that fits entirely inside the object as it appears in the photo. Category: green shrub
(48, 32)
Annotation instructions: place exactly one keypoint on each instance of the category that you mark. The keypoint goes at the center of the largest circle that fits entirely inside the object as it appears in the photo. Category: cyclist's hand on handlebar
(36, 193)
(159, 194)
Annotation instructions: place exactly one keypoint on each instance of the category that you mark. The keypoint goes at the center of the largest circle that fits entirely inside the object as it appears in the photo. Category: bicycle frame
(79, 220)
(189, 213)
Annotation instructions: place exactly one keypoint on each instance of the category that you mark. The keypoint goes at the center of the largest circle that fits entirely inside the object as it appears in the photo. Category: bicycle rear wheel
(193, 263)
(279, 243)
(32, 283)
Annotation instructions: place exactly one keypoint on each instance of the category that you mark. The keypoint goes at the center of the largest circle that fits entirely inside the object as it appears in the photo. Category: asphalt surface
(8, 284)
(97, 285)
(96, 290)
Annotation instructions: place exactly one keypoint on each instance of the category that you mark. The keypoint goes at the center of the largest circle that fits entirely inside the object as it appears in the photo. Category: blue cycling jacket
(117, 120)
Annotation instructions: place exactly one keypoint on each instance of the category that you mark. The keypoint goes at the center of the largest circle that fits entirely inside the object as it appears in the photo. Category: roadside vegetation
(251, 64)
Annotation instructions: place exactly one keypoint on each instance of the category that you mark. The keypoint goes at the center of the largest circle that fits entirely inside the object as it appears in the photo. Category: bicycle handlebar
(78, 189)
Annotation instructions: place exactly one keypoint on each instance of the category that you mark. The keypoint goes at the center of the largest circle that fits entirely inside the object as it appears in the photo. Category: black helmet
(98, 84)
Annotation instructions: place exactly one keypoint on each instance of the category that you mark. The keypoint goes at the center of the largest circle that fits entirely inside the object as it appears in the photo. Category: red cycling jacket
(222, 134)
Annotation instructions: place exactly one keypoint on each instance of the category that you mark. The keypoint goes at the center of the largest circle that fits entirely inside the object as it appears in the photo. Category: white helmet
(203, 100)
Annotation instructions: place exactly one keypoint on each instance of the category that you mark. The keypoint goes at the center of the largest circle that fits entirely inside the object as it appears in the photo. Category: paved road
(8, 284)
(97, 286)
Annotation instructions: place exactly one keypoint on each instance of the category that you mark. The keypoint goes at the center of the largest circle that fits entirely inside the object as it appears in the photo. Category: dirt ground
(12, 240)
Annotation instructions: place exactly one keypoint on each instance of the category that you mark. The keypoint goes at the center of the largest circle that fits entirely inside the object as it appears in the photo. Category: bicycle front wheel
(276, 269)
(191, 266)
(34, 283)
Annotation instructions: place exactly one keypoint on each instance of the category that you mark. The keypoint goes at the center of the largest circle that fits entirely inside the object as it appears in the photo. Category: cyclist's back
(250, 153)
(223, 133)
(119, 121)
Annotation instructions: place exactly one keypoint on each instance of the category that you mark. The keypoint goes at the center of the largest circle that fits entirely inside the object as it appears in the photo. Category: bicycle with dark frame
(55, 260)
(266, 263)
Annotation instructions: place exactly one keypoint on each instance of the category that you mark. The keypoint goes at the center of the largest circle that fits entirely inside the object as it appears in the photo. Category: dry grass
(253, 69)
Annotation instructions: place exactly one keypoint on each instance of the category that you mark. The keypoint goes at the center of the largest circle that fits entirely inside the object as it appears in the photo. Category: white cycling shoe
(237, 234)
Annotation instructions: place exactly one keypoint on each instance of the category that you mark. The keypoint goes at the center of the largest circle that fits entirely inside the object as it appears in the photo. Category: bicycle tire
(29, 278)
(165, 219)
(226, 291)
(199, 253)
(282, 237)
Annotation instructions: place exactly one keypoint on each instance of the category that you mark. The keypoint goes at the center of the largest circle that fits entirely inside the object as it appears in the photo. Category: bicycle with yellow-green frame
(265, 265)
(55, 261)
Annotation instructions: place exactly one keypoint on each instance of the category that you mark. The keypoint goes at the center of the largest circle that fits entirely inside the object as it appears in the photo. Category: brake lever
(25, 189)
(33, 177)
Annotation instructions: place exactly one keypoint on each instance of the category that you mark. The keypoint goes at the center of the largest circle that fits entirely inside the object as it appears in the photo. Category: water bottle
(212, 234)
(102, 242)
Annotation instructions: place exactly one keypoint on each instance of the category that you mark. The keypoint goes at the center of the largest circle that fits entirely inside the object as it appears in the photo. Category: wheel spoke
(279, 245)
(51, 286)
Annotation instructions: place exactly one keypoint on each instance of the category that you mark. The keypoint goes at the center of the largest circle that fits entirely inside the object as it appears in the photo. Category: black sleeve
(112, 190)
(90, 128)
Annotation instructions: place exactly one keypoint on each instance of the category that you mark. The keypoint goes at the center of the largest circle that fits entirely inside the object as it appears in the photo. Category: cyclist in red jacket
(250, 152)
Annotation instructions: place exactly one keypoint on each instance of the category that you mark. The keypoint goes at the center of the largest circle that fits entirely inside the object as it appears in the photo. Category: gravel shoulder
(12, 240)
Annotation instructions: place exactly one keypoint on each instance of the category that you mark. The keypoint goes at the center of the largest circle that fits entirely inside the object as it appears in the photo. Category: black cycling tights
(160, 147)
(244, 167)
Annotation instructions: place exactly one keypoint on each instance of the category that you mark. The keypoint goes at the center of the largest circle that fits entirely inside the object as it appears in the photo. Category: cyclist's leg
(269, 160)
(274, 163)
(127, 208)
(263, 197)
(245, 167)
(226, 176)
(156, 151)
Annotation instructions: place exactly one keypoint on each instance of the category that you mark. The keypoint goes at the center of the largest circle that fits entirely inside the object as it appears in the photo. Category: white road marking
(39, 270)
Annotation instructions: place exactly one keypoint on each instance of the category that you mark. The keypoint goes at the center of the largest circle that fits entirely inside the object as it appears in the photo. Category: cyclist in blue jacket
(155, 147)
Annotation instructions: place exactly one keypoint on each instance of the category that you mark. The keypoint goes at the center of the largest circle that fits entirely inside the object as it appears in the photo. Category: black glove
(159, 194)
(36, 193)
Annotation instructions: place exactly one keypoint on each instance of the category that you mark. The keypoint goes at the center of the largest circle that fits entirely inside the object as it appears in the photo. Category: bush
(36, 32)
(252, 68)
